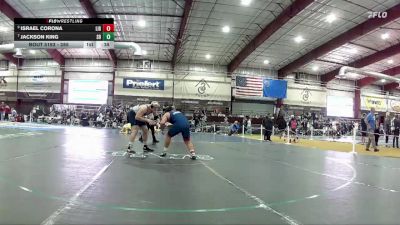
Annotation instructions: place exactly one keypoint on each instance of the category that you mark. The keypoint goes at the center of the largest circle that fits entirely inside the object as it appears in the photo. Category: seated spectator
(234, 129)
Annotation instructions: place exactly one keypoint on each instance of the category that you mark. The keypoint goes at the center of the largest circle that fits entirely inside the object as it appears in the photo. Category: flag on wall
(274, 88)
(248, 86)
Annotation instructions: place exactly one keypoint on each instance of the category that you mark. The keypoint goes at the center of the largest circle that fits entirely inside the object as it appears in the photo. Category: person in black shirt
(363, 128)
(396, 132)
(281, 123)
(268, 125)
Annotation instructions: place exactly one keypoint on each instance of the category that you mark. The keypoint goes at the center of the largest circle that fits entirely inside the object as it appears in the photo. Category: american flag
(248, 86)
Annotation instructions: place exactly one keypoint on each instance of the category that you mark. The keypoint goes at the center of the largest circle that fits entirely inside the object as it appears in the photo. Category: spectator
(2, 108)
(234, 129)
(293, 128)
(386, 128)
(13, 114)
(268, 125)
(396, 131)
(281, 124)
(371, 124)
(245, 120)
(363, 129)
(7, 112)
(378, 129)
(226, 120)
(84, 120)
(249, 128)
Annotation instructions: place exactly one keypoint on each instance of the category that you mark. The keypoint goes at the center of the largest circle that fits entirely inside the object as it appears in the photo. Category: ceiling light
(142, 23)
(144, 52)
(383, 80)
(246, 2)
(390, 61)
(32, 52)
(315, 68)
(298, 39)
(226, 29)
(266, 61)
(330, 18)
(385, 36)
(208, 56)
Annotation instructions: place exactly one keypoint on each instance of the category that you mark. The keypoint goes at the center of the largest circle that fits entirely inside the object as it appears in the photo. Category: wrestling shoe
(193, 156)
(147, 149)
(130, 150)
(163, 154)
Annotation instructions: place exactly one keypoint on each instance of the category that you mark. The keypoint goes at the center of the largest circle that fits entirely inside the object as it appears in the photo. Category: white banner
(306, 97)
(340, 106)
(394, 106)
(203, 89)
(186, 86)
(8, 84)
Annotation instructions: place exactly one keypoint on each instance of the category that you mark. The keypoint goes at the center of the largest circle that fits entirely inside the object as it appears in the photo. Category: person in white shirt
(249, 129)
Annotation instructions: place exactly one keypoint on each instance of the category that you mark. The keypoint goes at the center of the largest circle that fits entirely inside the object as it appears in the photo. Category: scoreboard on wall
(44, 33)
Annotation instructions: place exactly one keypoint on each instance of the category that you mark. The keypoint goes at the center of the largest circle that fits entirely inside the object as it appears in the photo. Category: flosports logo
(380, 15)
(143, 84)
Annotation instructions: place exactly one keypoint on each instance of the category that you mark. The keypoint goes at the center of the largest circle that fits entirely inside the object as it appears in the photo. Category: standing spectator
(293, 128)
(363, 129)
(249, 128)
(268, 125)
(2, 108)
(281, 124)
(378, 128)
(386, 127)
(396, 131)
(13, 113)
(7, 112)
(196, 120)
(245, 120)
(371, 124)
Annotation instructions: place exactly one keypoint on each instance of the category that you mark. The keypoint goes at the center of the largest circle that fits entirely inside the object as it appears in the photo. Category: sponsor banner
(306, 97)
(203, 89)
(380, 104)
(8, 84)
(394, 106)
(143, 84)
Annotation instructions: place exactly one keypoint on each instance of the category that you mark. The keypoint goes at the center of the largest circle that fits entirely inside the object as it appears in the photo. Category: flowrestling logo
(143, 84)
(380, 15)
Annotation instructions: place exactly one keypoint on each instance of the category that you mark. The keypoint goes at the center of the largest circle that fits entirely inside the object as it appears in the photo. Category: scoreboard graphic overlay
(35, 33)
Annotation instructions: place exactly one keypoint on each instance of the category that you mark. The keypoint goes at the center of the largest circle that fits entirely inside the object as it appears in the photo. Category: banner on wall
(367, 102)
(394, 106)
(203, 89)
(306, 97)
(340, 106)
(143, 84)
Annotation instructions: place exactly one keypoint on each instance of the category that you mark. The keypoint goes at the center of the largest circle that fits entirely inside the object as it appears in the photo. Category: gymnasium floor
(70, 175)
